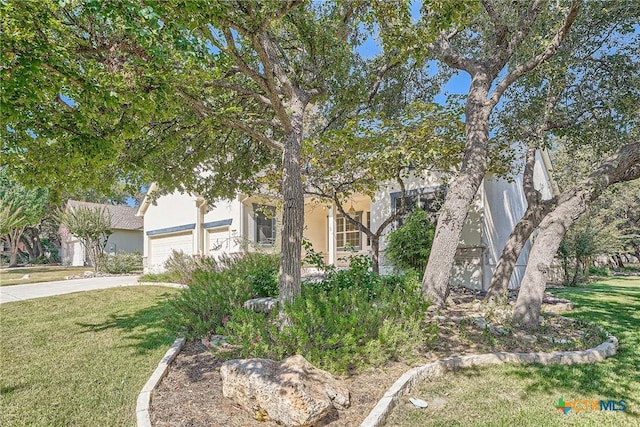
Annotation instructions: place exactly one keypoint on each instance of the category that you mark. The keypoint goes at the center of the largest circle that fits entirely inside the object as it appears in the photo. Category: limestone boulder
(260, 305)
(292, 392)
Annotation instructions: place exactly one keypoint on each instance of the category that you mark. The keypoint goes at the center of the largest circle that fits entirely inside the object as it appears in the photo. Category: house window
(347, 233)
(265, 224)
(429, 200)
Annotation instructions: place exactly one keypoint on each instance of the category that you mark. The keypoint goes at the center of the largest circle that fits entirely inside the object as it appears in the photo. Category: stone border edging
(144, 398)
(409, 379)
(143, 419)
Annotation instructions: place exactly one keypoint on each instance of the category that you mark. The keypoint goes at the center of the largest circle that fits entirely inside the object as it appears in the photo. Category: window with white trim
(265, 222)
(347, 233)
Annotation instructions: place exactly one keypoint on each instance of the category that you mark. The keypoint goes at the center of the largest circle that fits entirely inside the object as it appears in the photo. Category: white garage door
(160, 248)
(218, 242)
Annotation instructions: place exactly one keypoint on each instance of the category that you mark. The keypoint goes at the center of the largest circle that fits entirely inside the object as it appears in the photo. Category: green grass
(521, 395)
(80, 359)
(45, 273)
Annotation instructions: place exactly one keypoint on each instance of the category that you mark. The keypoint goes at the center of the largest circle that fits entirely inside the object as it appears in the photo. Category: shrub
(41, 260)
(215, 292)
(359, 275)
(338, 327)
(409, 246)
(599, 271)
(121, 263)
(180, 267)
(207, 303)
(259, 270)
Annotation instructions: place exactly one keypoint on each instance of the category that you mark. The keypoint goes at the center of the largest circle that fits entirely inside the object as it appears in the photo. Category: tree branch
(399, 212)
(523, 29)
(263, 45)
(286, 8)
(240, 62)
(451, 57)
(239, 89)
(243, 127)
(551, 49)
(205, 112)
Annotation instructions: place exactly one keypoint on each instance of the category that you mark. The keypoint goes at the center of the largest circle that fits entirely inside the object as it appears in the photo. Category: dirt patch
(191, 393)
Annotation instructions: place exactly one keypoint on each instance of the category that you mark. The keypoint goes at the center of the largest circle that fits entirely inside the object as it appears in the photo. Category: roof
(122, 217)
(147, 200)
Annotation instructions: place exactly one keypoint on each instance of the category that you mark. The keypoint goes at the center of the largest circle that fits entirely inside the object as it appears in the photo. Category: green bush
(216, 291)
(340, 328)
(207, 304)
(358, 275)
(599, 271)
(180, 267)
(409, 246)
(121, 263)
(259, 270)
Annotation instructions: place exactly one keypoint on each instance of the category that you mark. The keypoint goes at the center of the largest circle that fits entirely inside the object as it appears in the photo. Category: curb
(409, 379)
(144, 398)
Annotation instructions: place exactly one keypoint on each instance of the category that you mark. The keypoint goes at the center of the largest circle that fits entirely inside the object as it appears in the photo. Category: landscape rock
(261, 305)
(498, 330)
(292, 392)
(481, 323)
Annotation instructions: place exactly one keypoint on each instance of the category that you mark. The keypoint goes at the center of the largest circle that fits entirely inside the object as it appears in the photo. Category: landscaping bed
(191, 393)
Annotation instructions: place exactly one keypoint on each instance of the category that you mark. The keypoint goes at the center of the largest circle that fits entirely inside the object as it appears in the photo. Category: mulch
(191, 392)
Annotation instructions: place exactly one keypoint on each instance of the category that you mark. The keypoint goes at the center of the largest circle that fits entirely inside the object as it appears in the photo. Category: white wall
(168, 211)
(221, 239)
(381, 205)
(125, 241)
(468, 265)
(72, 252)
(504, 206)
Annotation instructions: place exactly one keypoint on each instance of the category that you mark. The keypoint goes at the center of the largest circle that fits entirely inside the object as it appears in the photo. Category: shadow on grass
(144, 330)
(617, 309)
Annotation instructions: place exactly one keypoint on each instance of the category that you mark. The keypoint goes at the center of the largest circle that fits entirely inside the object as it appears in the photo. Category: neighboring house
(126, 234)
(190, 224)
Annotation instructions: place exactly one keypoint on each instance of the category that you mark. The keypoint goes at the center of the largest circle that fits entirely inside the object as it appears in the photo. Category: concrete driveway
(47, 289)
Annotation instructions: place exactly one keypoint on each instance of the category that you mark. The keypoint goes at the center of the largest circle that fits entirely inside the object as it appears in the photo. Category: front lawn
(45, 273)
(80, 359)
(513, 395)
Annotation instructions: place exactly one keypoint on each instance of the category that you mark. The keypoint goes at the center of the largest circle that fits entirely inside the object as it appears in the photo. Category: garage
(160, 248)
(218, 241)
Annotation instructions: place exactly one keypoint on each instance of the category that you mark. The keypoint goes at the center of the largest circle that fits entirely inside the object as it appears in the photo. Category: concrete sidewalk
(47, 289)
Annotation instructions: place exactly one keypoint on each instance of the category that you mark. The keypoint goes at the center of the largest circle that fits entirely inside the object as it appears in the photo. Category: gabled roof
(147, 200)
(122, 217)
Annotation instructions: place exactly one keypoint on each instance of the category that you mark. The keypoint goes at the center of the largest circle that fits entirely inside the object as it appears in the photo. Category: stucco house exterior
(191, 224)
(126, 236)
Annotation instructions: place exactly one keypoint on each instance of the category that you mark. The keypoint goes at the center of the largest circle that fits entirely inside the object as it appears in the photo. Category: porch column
(331, 226)
(199, 231)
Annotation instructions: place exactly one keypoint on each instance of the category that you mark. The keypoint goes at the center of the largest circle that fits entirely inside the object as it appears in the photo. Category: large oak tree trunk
(623, 166)
(292, 211)
(453, 214)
